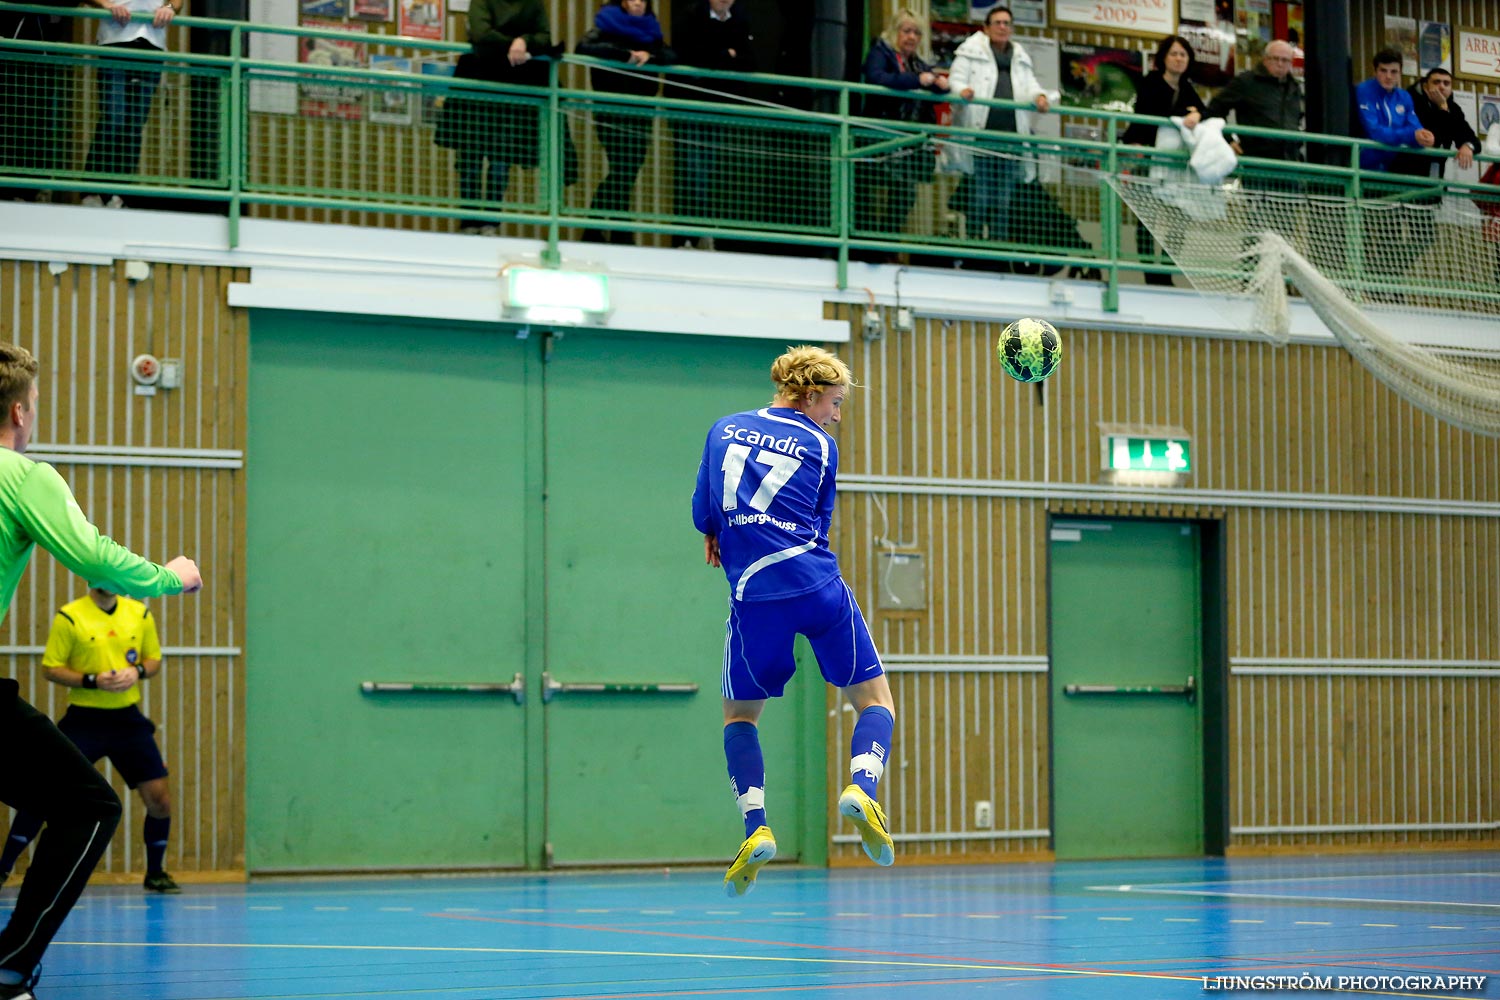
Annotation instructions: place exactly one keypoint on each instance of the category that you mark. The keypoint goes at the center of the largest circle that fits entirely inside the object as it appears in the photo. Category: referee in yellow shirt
(101, 648)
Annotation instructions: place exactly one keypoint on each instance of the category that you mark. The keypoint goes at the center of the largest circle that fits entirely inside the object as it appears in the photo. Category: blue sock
(747, 772)
(155, 832)
(869, 746)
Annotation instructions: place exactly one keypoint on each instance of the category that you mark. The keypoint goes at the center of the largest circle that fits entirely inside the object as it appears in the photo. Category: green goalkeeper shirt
(37, 508)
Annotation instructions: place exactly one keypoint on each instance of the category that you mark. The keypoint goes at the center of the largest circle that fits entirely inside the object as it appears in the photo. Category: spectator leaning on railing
(125, 93)
(1264, 97)
(625, 31)
(506, 36)
(713, 35)
(1397, 234)
(989, 65)
(1432, 99)
(1164, 92)
(1386, 113)
(896, 60)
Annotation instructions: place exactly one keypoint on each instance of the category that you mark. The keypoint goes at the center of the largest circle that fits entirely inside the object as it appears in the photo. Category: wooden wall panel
(1411, 599)
(85, 324)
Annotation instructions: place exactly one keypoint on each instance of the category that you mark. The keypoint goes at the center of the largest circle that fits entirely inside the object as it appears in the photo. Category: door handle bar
(516, 688)
(1189, 691)
(552, 687)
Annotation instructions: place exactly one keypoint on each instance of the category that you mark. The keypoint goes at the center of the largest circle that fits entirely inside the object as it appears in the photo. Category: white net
(1356, 262)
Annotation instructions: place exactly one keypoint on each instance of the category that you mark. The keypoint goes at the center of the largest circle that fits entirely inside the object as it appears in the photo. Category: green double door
(1126, 689)
(451, 505)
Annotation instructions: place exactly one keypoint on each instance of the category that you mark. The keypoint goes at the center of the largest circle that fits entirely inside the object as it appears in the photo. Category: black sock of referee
(155, 831)
(22, 832)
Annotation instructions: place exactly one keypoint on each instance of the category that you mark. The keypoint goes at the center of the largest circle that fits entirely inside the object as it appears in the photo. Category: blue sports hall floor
(1097, 930)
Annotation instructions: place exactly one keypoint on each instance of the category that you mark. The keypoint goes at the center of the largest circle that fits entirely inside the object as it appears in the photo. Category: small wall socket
(984, 816)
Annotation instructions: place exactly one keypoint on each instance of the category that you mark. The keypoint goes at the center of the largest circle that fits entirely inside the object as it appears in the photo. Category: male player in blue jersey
(763, 504)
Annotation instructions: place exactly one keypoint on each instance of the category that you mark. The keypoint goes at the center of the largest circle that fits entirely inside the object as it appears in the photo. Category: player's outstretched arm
(52, 518)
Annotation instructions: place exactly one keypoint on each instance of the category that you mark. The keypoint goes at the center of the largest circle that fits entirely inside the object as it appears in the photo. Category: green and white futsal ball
(1029, 350)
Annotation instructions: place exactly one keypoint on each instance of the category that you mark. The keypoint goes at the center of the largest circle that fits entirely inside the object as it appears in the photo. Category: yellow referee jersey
(91, 641)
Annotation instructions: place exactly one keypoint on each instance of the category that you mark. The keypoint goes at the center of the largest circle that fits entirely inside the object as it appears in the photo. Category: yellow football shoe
(758, 848)
(870, 818)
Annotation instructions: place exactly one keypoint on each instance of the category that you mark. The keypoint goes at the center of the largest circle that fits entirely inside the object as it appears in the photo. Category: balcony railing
(785, 162)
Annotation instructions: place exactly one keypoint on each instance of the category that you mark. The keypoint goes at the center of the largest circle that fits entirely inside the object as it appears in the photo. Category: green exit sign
(1136, 453)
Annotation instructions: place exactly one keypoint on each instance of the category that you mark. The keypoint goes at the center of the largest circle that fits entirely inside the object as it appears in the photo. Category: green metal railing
(788, 161)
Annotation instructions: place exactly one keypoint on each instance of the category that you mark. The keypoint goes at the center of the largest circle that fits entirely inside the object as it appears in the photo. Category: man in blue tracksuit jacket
(1386, 113)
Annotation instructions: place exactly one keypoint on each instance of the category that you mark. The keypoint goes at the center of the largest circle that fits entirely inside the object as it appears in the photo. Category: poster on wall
(1025, 13)
(1478, 54)
(325, 8)
(1097, 76)
(397, 105)
(1434, 47)
(1489, 113)
(421, 19)
(273, 96)
(1468, 102)
(330, 98)
(1199, 11)
(1286, 26)
(1153, 18)
(1401, 35)
(375, 10)
(1213, 52)
(434, 95)
(947, 36)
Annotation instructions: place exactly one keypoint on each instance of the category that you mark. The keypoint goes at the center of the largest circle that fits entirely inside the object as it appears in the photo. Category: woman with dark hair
(624, 31)
(1166, 92)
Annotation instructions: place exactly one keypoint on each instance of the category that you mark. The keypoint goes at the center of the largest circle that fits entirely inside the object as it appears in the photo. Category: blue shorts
(123, 735)
(758, 659)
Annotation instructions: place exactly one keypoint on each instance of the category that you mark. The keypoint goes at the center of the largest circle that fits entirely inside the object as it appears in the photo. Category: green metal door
(386, 543)
(639, 776)
(1126, 637)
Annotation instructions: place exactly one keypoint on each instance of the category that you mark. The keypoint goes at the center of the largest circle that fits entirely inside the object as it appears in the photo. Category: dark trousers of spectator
(31, 114)
(991, 198)
(478, 187)
(883, 198)
(125, 96)
(46, 775)
(696, 147)
(625, 139)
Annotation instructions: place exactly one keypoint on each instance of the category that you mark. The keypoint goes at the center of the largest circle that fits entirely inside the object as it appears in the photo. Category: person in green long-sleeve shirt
(55, 780)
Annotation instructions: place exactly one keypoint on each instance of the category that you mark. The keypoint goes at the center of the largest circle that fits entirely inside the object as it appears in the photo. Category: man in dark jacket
(712, 36)
(1265, 97)
(1432, 98)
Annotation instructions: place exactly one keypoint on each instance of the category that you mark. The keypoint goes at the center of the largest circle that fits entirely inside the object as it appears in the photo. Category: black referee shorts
(123, 735)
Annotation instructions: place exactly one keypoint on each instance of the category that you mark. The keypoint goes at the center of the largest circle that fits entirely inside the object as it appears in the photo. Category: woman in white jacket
(976, 73)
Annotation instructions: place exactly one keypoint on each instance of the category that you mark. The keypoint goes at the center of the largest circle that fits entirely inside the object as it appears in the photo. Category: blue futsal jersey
(765, 490)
